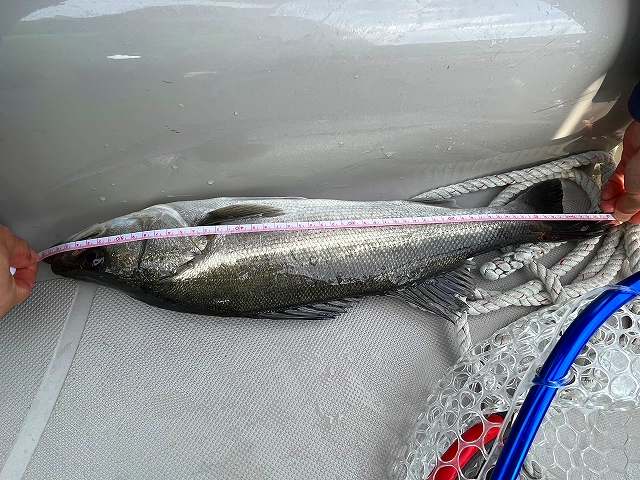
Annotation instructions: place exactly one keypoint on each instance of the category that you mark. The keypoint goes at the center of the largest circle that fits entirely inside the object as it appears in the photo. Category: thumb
(627, 206)
(21, 291)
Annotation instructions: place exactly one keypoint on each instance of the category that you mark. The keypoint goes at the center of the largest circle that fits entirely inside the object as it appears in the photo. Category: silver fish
(313, 273)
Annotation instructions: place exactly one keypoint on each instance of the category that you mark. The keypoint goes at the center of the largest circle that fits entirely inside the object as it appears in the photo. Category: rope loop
(611, 251)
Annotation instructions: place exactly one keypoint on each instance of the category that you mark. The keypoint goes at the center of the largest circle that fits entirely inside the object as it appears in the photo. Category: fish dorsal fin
(444, 202)
(240, 211)
(442, 295)
(318, 311)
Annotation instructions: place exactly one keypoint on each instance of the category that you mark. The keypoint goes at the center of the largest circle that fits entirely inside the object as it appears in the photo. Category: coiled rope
(618, 250)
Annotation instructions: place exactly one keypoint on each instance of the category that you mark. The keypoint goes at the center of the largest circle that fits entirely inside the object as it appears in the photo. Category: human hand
(621, 193)
(14, 252)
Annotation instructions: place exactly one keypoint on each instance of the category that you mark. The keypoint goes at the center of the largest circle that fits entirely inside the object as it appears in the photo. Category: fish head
(136, 264)
(104, 264)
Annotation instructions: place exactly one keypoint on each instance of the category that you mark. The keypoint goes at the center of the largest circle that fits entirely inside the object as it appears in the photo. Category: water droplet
(113, 184)
(181, 105)
(236, 113)
(94, 188)
(106, 145)
(175, 167)
(449, 147)
(341, 144)
(210, 182)
(102, 199)
(355, 76)
(124, 201)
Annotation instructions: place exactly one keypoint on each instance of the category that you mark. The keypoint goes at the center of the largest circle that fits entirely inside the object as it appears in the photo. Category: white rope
(463, 332)
(609, 259)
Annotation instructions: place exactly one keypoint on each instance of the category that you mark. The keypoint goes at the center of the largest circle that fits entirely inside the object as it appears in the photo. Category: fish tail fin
(546, 197)
(568, 230)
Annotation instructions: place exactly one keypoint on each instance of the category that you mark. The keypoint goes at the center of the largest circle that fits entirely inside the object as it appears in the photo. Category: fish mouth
(64, 263)
(78, 263)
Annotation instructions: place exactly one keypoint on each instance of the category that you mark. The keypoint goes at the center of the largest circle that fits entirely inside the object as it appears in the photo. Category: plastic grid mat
(158, 394)
(28, 337)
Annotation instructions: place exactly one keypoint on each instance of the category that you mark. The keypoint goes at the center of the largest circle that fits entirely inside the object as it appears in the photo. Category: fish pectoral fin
(317, 311)
(443, 295)
(239, 212)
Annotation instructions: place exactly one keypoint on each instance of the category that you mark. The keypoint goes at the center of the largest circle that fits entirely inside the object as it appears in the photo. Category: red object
(455, 459)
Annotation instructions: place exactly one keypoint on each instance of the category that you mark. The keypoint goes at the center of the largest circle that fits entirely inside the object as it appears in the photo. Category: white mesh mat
(28, 336)
(158, 394)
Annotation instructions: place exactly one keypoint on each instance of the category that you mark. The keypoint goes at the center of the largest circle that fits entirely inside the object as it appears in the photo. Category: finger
(631, 141)
(24, 281)
(635, 220)
(609, 206)
(26, 277)
(613, 188)
(22, 290)
(626, 207)
(20, 255)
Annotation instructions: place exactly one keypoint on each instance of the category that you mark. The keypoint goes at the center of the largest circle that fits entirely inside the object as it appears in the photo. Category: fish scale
(264, 276)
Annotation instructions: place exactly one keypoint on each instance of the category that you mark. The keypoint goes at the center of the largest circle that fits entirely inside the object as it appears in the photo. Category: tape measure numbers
(315, 225)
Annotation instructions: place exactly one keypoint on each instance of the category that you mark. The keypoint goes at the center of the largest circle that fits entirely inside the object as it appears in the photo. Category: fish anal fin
(318, 311)
(443, 295)
(241, 211)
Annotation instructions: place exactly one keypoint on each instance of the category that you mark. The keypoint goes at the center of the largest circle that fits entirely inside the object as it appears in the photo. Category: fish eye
(93, 260)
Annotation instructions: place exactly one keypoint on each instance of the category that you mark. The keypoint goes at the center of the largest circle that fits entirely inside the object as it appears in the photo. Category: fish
(309, 273)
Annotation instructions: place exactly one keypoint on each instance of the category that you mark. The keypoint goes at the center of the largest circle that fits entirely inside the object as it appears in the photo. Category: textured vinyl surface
(28, 337)
(157, 394)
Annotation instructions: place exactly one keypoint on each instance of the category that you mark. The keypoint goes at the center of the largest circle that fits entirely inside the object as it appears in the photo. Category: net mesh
(581, 437)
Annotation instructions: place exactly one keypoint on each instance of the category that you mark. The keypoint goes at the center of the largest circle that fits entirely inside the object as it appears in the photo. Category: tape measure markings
(311, 225)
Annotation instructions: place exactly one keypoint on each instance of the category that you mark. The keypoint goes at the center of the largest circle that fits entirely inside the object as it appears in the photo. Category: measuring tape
(314, 225)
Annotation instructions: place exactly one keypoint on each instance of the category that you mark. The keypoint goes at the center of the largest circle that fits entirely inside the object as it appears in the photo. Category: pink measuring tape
(314, 225)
